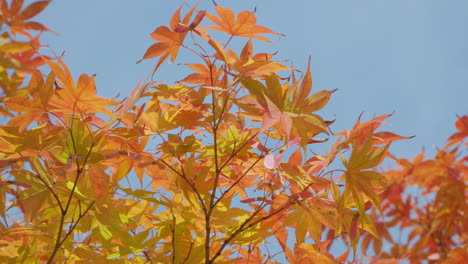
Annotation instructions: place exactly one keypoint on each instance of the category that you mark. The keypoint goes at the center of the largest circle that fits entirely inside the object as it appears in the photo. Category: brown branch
(189, 253)
(244, 226)
(64, 212)
(237, 151)
(238, 180)
(194, 189)
(214, 127)
(59, 242)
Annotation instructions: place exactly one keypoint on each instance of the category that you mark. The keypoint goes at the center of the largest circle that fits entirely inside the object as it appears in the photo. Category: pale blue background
(404, 56)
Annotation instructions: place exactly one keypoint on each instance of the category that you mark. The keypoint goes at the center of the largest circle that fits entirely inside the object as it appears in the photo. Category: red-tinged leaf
(249, 200)
(198, 18)
(25, 185)
(4, 10)
(367, 205)
(343, 257)
(387, 137)
(296, 158)
(258, 145)
(353, 232)
(175, 20)
(181, 28)
(305, 194)
(371, 125)
(462, 124)
(456, 138)
(189, 14)
(5, 183)
(244, 26)
(33, 9)
(15, 7)
(31, 25)
(365, 128)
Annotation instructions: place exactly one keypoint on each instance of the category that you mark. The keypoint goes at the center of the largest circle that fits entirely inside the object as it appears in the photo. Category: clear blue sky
(404, 56)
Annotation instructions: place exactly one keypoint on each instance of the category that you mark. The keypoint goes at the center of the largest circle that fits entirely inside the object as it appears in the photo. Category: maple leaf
(249, 65)
(77, 98)
(245, 25)
(462, 126)
(286, 107)
(361, 182)
(35, 105)
(16, 18)
(171, 39)
(208, 75)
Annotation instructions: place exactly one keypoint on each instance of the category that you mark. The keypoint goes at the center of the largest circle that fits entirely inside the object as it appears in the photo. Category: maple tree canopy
(219, 167)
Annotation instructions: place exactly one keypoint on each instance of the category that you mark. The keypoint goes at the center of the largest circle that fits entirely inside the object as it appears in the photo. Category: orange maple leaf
(77, 98)
(171, 39)
(462, 126)
(204, 75)
(16, 18)
(244, 26)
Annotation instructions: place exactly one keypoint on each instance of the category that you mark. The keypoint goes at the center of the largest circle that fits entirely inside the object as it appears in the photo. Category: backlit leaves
(429, 192)
(171, 39)
(462, 127)
(79, 97)
(244, 25)
(15, 16)
(211, 169)
(287, 108)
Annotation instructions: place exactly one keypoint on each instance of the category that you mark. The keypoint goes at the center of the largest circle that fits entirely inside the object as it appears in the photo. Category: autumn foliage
(218, 167)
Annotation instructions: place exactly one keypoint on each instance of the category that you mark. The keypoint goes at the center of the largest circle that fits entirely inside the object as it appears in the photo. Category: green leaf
(105, 232)
(77, 191)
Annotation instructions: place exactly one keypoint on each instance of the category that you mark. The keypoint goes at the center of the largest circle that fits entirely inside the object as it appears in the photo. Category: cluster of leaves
(426, 201)
(217, 168)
